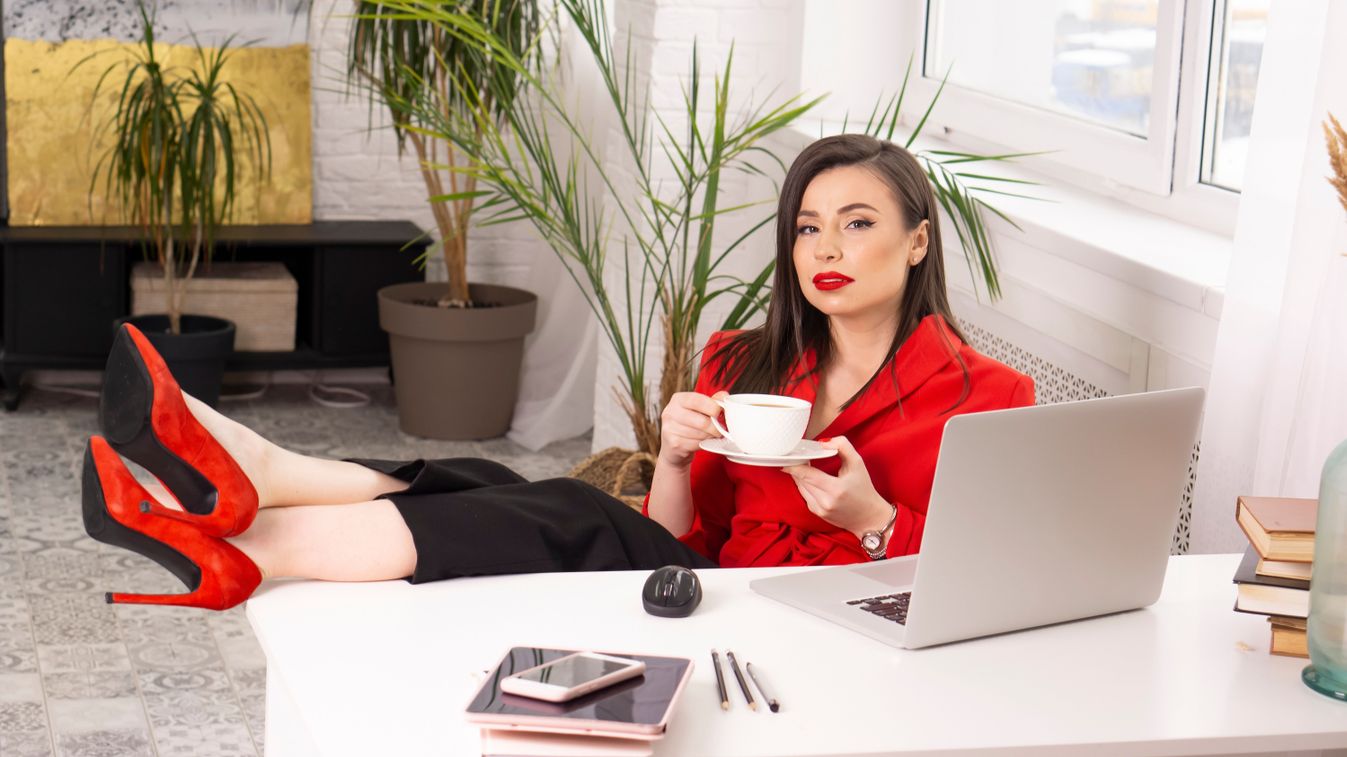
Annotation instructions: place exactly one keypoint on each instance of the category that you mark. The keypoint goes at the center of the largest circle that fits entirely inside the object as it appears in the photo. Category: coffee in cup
(764, 424)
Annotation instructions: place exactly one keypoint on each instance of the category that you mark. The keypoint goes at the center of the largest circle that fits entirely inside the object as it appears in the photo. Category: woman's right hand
(684, 424)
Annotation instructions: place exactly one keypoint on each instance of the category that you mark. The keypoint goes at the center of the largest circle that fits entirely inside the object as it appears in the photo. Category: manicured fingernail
(824, 439)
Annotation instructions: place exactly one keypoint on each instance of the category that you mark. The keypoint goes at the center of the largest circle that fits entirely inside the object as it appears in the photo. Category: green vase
(1327, 671)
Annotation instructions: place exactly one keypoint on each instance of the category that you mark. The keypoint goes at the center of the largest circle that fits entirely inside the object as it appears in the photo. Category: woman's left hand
(849, 499)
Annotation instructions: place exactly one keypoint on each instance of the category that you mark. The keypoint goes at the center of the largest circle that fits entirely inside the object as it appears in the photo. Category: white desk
(386, 669)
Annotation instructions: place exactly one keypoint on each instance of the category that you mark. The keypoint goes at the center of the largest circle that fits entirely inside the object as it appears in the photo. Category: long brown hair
(763, 359)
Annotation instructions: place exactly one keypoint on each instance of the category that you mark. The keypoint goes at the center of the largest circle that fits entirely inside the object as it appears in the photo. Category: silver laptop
(1037, 515)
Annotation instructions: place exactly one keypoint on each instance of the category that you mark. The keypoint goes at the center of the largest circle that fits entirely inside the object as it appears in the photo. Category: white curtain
(556, 386)
(556, 392)
(1275, 406)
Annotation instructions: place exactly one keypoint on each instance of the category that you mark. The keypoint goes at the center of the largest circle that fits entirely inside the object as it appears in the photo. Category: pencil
(772, 704)
(720, 681)
(743, 685)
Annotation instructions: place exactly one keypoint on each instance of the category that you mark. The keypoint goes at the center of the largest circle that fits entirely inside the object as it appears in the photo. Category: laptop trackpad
(896, 573)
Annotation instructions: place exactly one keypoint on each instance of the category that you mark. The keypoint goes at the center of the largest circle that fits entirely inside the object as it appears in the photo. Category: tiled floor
(79, 677)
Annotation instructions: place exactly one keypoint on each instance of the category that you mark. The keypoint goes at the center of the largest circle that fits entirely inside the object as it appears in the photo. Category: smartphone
(571, 676)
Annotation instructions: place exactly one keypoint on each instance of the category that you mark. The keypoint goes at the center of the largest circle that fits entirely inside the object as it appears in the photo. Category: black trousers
(474, 517)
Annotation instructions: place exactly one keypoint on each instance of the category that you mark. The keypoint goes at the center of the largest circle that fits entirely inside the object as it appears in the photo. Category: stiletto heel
(159, 511)
(144, 417)
(217, 575)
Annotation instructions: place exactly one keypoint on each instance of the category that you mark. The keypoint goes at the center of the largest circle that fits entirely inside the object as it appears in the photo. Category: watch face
(870, 541)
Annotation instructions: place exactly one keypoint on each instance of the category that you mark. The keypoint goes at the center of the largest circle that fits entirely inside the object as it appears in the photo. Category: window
(1147, 100)
(1232, 79)
(1088, 60)
(1095, 82)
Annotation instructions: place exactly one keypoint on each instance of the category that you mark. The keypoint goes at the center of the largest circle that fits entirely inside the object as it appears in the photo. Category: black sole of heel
(128, 425)
(101, 526)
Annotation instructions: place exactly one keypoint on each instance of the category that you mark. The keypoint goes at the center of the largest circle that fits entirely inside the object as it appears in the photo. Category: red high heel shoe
(144, 417)
(217, 575)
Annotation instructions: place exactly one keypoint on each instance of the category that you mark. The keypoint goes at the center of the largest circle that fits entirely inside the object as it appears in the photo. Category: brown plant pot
(456, 370)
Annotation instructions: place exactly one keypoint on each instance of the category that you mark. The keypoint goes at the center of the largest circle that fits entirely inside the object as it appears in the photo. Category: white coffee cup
(764, 424)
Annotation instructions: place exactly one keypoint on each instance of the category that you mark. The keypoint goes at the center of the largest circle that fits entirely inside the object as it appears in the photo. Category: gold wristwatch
(873, 541)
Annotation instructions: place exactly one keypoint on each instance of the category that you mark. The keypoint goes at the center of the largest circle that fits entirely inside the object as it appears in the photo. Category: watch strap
(880, 551)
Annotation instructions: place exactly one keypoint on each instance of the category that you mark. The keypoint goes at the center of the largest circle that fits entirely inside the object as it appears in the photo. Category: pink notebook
(504, 743)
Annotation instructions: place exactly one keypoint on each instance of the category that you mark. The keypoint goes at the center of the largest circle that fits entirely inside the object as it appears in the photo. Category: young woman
(859, 324)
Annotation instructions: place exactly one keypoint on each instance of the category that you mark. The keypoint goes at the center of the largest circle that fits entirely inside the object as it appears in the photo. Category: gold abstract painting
(56, 137)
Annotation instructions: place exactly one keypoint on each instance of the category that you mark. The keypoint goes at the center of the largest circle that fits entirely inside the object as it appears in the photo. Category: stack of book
(1274, 577)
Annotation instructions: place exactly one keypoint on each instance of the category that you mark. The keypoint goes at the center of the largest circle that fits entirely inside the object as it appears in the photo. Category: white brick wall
(766, 37)
(358, 173)
(353, 150)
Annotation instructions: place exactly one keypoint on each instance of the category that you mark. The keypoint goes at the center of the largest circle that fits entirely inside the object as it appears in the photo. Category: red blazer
(750, 516)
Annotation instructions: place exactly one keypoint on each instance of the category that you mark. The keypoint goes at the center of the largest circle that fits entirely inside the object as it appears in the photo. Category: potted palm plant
(178, 139)
(456, 346)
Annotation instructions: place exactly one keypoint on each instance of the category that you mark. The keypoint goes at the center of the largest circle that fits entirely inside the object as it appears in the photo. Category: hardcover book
(1289, 637)
(1264, 595)
(1280, 528)
(1285, 569)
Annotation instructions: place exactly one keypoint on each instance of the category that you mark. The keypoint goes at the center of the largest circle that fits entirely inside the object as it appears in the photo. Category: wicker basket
(623, 473)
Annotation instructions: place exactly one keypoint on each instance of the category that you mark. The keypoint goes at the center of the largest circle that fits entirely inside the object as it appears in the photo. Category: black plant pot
(196, 356)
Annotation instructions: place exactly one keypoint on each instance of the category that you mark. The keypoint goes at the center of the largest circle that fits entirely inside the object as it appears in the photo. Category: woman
(859, 324)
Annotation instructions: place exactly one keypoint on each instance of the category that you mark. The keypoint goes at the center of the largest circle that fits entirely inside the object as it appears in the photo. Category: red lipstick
(830, 280)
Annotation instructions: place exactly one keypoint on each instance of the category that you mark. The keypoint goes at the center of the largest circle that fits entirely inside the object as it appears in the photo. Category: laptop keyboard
(887, 606)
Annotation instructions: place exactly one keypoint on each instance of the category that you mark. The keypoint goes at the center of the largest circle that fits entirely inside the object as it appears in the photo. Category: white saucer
(805, 451)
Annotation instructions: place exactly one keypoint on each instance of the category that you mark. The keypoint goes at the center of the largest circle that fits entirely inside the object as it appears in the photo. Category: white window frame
(1200, 204)
(1160, 174)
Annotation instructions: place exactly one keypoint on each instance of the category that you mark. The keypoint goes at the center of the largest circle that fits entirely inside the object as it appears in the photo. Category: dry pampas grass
(1337, 157)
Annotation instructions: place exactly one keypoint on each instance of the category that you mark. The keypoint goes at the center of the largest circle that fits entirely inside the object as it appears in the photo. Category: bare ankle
(257, 553)
(261, 453)
(249, 449)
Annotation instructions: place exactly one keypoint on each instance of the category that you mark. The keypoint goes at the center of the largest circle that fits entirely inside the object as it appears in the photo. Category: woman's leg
(545, 526)
(365, 541)
(285, 478)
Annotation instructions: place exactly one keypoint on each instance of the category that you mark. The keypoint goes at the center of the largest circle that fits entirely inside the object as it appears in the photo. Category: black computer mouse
(672, 592)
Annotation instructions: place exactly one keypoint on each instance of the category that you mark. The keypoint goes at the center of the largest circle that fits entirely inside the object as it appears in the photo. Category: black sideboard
(61, 287)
